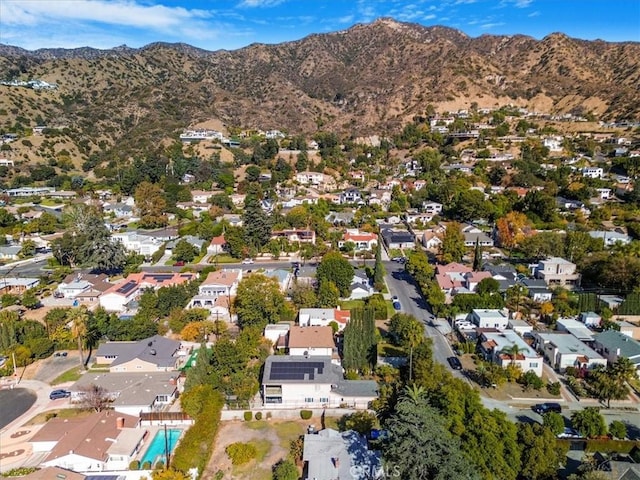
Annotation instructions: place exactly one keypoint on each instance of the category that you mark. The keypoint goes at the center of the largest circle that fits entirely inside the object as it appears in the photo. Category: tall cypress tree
(378, 272)
(477, 256)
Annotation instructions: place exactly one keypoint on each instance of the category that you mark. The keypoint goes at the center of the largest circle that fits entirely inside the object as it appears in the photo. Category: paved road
(402, 285)
(14, 403)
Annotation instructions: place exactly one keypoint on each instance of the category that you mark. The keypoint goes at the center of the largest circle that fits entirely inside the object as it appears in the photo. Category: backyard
(271, 439)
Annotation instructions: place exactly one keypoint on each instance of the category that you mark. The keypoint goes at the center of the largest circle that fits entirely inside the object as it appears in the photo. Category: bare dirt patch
(276, 433)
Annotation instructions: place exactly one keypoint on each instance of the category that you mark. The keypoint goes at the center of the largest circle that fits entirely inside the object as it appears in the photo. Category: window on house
(324, 400)
(308, 400)
(533, 365)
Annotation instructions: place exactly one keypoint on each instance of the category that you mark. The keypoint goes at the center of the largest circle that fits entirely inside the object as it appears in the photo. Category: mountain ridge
(368, 79)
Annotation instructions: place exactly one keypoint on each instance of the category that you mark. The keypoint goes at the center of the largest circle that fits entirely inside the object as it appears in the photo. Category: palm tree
(78, 319)
(513, 351)
(414, 392)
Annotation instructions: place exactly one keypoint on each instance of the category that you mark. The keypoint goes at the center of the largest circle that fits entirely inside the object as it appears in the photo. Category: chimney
(120, 423)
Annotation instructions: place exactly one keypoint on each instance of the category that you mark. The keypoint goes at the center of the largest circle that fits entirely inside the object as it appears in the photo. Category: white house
(494, 346)
(488, 318)
(219, 286)
(613, 345)
(312, 382)
(131, 392)
(610, 238)
(363, 241)
(87, 443)
(433, 208)
(592, 172)
(273, 332)
(556, 271)
(563, 350)
(323, 317)
(140, 244)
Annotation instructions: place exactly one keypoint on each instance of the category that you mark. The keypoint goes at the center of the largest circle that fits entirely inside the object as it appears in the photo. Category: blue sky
(231, 24)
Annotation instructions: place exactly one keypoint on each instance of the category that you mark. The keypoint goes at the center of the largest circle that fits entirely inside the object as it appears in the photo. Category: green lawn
(213, 259)
(388, 350)
(350, 304)
(69, 376)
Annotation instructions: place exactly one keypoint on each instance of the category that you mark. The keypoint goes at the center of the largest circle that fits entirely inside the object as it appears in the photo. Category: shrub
(20, 471)
(248, 416)
(146, 465)
(553, 388)
(306, 414)
(241, 453)
(285, 470)
(196, 445)
(269, 415)
(531, 380)
(219, 475)
(159, 465)
(618, 429)
(258, 416)
(134, 465)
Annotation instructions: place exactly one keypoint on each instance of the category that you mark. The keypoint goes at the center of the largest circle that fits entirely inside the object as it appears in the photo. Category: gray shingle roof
(157, 350)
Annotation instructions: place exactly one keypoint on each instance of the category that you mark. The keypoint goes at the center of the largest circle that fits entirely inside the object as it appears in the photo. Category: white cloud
(124, 13)
(260, 3)
(534, 14)
(515, 3)
(345, 19)
(489, 26)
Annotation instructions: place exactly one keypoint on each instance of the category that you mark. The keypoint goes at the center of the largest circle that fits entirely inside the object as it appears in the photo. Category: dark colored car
(56, 394)
(396, 305)
(547, 407)
(179, 264)
(455, 363)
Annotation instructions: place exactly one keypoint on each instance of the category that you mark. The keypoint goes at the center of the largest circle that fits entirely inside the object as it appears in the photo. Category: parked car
(455, 363)
(542, 408)
(56, 394)
(396, 305)
(247, 261)
(179, 263)
(60, 354)
(395, 299)
(570, 433)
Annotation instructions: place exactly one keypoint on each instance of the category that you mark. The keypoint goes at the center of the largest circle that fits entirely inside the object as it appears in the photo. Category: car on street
(56, 394)
(60, 354)
(455, 363)
(542, 408)
(570, 433)
(396, 305)
(395, 298)
(247, 261)
(179, 263)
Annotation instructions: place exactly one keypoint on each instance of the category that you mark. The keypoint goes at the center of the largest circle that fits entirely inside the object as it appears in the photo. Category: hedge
(134, 465)
(258, 415)
(195, 448)
(306, 414)
(248, 416)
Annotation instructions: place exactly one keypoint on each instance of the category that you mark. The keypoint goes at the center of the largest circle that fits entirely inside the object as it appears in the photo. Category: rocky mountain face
(368, 79)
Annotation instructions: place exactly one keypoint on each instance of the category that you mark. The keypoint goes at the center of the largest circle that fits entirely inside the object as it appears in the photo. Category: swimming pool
(156, 451)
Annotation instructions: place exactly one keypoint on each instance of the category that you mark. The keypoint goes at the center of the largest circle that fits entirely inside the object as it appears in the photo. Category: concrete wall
(287, 414)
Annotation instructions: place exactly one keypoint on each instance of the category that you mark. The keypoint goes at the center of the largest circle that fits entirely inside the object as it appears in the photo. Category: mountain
(371, 78)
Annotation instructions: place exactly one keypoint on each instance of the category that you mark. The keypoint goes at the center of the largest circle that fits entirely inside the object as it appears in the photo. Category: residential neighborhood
(332, 293)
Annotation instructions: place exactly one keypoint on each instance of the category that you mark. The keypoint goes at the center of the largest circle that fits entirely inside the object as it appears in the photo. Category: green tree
(420, 446)
(378, 270)
(540, 456)
(362, 422)
(78, 318)
(360, 352)
(554, 421)
(304, 296)
(335, 268)
(151, 205)
(256, 222)
(589, 422)
(477, 256)
(407, 330)
(452, 248)
(29, 299)
(259, 301)
(285, 470)
(28, 249)
(328, 294)
(488, 286)
(200, 373)
(184, 251)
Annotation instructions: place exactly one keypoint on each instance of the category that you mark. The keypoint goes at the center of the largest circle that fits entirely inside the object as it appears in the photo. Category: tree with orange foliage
(195, 331)
(511, 229)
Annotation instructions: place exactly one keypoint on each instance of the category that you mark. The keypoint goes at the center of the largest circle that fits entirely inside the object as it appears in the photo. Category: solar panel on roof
(160, 277)
(127, 287)
(296, 370)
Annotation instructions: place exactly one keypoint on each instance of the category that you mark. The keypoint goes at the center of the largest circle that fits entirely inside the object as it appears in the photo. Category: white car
(247, 261)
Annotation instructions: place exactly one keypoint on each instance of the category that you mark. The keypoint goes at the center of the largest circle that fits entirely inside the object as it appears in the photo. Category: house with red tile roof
(217, 245)
(362, 240)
